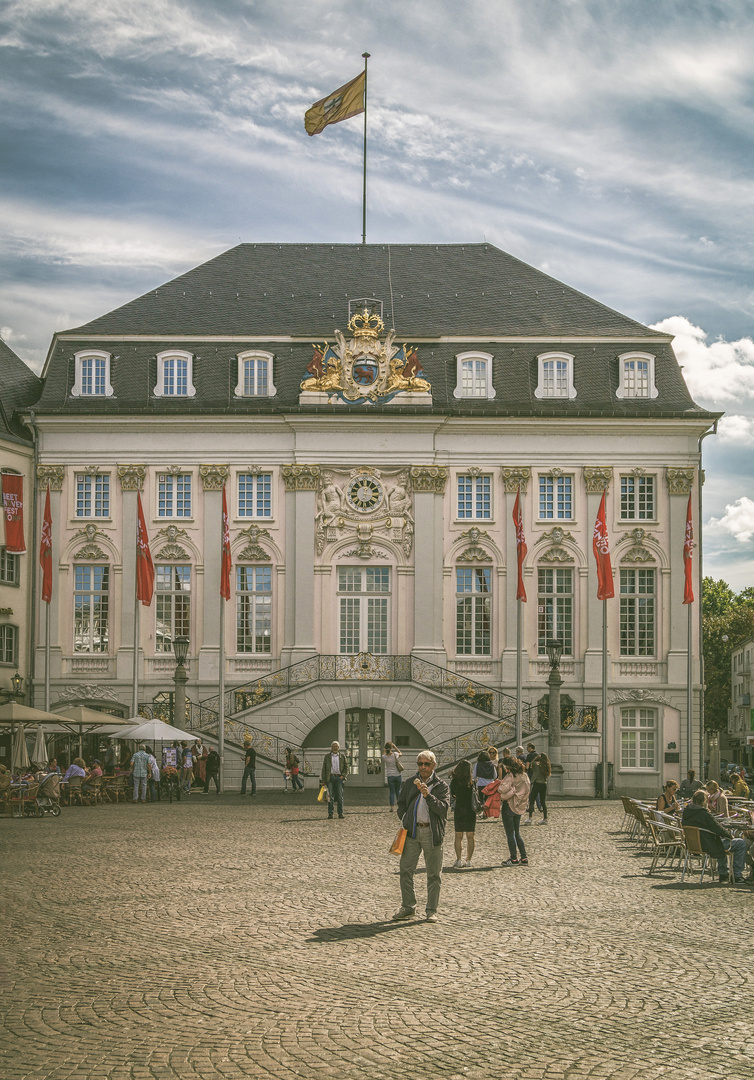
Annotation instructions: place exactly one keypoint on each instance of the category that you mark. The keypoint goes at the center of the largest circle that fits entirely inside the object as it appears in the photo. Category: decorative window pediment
(474, 553)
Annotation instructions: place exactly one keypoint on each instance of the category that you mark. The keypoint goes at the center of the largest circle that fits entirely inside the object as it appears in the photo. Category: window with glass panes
(554, 378)
(555, 608)
(364, 605)
(255, 380)
(9, 566)
(473, 611)
(91, 585)
(556, 497)
(174, 495)
(92, 495)
(254, 609)
(638, 738)
(474, 378)
(637, 498)
(637, 612)
(255, 495)
(8, 644)
(93, 375)
(172, 605)
(636, 378)
(474, 496)
(175, 372)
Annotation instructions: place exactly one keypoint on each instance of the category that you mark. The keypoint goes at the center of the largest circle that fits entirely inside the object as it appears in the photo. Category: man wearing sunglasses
(423, 804)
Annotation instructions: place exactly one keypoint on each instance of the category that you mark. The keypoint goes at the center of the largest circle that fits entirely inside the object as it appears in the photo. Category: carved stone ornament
(213, 476)
(680, 481)
(365, 370)
(172, 549)
(92, 469)
(301, 477)
(171, 552)
(597, 478)
(556, 536)
(132, 477)
(473, 470)
(638, 695)
(51, 475)
(254, 552)
(365, 502)
(515, 477)
(91, 549)
(88, 690)
(638, 554)
(556, 555)
(365, 551)
(474, 553)
(429, 478)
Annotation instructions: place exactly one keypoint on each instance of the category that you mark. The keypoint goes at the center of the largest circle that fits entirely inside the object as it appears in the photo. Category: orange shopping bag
(396, 848)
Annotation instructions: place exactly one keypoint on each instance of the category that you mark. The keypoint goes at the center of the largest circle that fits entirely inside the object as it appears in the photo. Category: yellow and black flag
(345, 102)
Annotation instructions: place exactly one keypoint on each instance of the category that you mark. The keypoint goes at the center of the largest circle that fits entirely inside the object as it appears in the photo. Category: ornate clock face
(364, 493)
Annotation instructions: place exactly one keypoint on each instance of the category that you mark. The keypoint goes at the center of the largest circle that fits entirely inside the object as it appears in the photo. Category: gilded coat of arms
(366, 369)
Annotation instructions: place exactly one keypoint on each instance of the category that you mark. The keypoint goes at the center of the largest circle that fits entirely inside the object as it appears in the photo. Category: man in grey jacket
(423, 804)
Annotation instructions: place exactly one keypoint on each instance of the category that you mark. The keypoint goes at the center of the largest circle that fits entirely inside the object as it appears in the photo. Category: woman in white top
(392, 771)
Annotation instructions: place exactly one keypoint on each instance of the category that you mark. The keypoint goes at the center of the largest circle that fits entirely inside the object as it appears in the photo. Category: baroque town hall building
(373, 411)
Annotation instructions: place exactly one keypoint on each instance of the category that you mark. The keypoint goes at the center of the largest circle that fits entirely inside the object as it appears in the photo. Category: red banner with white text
(521, 548)
(13, 507)
(601, 549)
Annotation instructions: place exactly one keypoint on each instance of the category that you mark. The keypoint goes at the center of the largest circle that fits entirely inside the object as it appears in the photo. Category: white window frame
(170, 596)
(623, 390)
(635, 496)
(77, 390)
(91, 478)
(637, 727)
(470, 610)
(556, 608)
(635, 602)
(10, 567)
(555, 479)
(486, 383)
(478, 494)
(570, 390)
(175, 354)
(256, 477)
(93, 606)
(174, 477)
(368, 602)
(254, 606)
(254, 354)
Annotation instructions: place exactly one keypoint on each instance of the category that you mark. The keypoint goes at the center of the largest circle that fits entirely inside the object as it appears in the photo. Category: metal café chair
(694, 849)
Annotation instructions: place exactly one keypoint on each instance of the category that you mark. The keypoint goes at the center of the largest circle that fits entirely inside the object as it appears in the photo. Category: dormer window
(255, 375)
(174, 375)
(636, 376)
(92, 375)
(555, 376)
(474, 376)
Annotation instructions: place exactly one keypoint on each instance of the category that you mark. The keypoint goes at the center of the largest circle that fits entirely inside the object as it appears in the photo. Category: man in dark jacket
(212, 762)
(423, 804)
(249, 766)
(714, 838)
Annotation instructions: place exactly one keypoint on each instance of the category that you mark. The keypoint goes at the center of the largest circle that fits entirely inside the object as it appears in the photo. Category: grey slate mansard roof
(474, 294)
(19, 387)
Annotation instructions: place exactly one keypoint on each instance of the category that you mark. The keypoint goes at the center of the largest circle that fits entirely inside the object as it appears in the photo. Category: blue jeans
(511, 822)
(252, 773)
(296, 781)
(738, 847)
(394, 787)
(335, 792)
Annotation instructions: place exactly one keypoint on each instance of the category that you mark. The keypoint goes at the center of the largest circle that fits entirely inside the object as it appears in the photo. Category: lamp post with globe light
(180, 678)
(554, 683)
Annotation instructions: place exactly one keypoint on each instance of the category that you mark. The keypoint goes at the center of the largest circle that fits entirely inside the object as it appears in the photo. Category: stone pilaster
(131, 482)
(301, 483)
(515, 477)
(428, 483)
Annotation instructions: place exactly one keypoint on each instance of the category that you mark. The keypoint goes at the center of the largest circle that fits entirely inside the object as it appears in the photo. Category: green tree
(728, 618)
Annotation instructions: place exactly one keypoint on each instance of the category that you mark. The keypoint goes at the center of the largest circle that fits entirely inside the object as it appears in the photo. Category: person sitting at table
(666, 800)
(76, 768)
(717, 800)
(53, 767)
(714, 838)
(92, 775)
(5, 779)
(689, 785)
(740, 787)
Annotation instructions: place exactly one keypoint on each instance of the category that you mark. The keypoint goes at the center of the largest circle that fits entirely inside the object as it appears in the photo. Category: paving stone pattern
(229, 938)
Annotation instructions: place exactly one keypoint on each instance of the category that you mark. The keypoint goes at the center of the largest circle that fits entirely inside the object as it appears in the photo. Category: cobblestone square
(228, 938)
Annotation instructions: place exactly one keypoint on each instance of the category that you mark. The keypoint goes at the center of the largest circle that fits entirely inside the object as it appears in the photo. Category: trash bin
(598, 780)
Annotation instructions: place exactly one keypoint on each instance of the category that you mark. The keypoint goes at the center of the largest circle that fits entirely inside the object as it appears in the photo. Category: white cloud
(715, 373)
(738, 520)
(736, 430)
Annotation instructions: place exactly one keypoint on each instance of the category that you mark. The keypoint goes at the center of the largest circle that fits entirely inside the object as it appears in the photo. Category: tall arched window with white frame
(255, 375)
(636, 376)
(555, 376)
(474, 376)
(92, 375)
(175, 375)
(473, 611)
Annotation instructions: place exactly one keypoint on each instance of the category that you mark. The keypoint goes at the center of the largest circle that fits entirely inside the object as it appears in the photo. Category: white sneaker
(543, 822)
(528, 821)
(458, 864)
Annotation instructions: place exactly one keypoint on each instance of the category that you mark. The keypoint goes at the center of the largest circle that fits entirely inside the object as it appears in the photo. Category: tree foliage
(728, 619)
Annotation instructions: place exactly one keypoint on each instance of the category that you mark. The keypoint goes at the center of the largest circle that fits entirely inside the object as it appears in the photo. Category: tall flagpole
(221, 679)
(135, 692)
(604, 698)
(47, 657)
(366, 56)
(519, 649)
(690, 701)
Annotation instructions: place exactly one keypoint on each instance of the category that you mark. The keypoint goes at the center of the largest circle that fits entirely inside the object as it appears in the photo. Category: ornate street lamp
(180, 678)
(554, 683)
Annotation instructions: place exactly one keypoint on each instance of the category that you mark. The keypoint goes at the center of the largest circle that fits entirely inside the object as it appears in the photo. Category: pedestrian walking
(540, 770)
(200, 761)
(292, 765)
(335, 769)
(249, 766)
(514, 793)
(484, 772)
(464, 815)
(423, 804)
(187, 768)
(392, 770)
(153, 778)
(212, 770)
(140, 766)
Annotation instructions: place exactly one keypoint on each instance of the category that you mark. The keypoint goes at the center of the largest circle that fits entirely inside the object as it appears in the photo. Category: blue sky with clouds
(606, 142)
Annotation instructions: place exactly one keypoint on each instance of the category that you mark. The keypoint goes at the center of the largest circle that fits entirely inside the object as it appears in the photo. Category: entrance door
(365, 740)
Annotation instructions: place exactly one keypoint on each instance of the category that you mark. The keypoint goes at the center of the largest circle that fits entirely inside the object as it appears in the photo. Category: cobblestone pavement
(228, 938)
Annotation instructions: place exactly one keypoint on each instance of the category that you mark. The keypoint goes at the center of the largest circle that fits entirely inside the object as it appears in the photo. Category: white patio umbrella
(153, 731)
(20, 755)
(39, 754)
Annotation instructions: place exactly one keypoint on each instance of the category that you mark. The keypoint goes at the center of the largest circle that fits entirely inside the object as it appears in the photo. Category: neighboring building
(19, 388)
(741, 713)
(371, 476)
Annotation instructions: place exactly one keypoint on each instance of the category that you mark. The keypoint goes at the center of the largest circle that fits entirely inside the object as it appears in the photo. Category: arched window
(175, 375)
(92, 375)
(636, 376)
(473, 611)
(254, 609)
(255, 375)
(474, 376)
(555, 376)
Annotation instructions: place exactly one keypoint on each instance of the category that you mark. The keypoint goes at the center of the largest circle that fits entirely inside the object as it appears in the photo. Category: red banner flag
(601, 549)
(521, 548)
(144, 564)
(13, 505)
(45, 551)
(688, 547)
(226, 560)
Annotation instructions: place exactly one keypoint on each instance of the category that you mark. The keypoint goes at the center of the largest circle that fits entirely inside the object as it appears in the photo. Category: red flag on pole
(144, 564)
(226, 560)
(688, 547)
(13, 506)
(521, 548)
(45, 551)
(601, 549)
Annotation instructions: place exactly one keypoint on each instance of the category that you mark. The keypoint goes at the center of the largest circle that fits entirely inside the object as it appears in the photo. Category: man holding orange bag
(423, 804)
